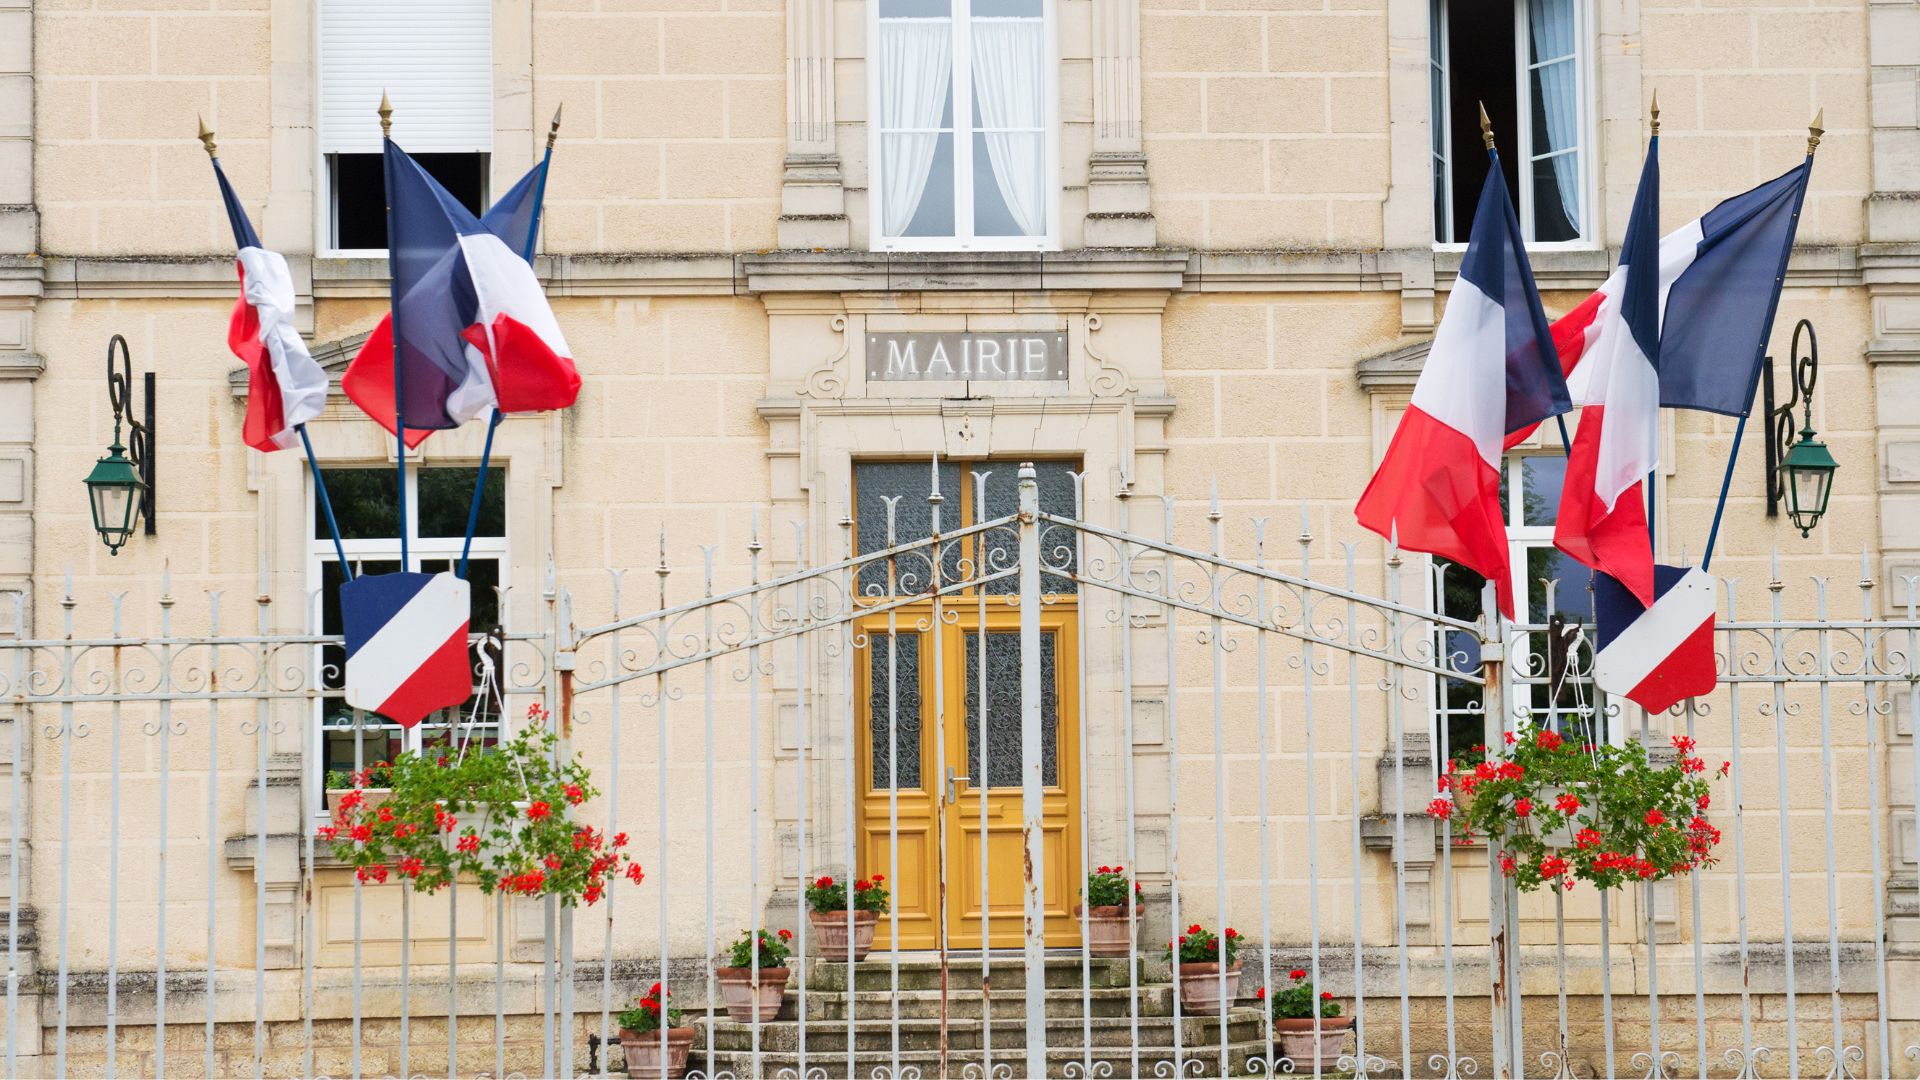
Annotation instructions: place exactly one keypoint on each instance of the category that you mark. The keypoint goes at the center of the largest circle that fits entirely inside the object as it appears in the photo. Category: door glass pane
(904, 676)
(874, 482)
(1571, 600)
(365, 504)
(1056, 544)
(1002, 767)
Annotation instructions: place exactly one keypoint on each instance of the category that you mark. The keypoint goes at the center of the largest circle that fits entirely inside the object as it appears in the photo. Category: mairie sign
(944, 357)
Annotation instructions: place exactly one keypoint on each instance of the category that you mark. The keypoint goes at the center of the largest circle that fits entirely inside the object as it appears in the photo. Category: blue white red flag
(1655, 655)
(477, 332)
(406, 637)
(1602, 520)
(1492, 370)
(285, 387)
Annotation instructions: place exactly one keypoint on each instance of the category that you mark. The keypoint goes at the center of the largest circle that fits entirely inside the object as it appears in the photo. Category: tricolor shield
(406, 638)
(1656, 656)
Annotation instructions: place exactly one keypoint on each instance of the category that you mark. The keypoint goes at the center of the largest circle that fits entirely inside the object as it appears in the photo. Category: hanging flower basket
(498, 816)
(1555, 812)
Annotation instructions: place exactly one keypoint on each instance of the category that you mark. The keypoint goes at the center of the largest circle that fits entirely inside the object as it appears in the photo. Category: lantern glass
(113, 494)
(1809, 468)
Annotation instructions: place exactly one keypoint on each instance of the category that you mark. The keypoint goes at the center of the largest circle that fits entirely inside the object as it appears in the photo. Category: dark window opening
(358, 193)
(1479, 71)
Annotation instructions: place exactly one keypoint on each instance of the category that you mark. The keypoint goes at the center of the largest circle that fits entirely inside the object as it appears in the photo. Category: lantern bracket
(1805, 371)
(140, 442)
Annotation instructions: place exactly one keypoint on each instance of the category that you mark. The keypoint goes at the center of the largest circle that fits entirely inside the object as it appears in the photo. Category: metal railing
(1254, 745)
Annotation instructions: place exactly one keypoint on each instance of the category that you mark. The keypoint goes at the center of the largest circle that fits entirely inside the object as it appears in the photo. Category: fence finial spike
(1213, 497)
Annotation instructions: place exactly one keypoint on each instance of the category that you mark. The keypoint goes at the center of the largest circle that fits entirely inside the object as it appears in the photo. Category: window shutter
(434, 60)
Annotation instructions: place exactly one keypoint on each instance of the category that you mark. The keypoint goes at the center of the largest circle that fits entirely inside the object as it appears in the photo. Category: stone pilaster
(813, 198)
(1119, 213)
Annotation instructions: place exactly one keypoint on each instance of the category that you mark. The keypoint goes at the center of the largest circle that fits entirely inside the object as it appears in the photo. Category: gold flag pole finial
(553, 130)
(386, 116)
(1654, 122)
(1486, 126)
(206, 136)
(1815, 130)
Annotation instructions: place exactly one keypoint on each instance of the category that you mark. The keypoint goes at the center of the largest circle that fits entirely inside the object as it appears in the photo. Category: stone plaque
(945, 357)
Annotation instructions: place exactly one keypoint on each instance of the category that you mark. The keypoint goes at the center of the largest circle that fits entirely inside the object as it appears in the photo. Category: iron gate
(1252, 743)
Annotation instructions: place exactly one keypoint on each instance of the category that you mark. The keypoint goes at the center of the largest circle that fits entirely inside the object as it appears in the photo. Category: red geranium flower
(362, 833)
(635, 874)
(538, 810)
(1567, 803)
(468, 844)
(1297, 974)
(1655, 817)
(411, 867)
(575, 796)
(1326, 995)
(1523, 807)
(1441, 808)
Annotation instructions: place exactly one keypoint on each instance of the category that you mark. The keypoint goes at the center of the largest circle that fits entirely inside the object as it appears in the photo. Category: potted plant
(1298, 1036)
(1557, 812)
(1108, 903)
(755, 990)
(1202, 959)
(843, 934)
(364, 789)
(497, 816)
(640, 1037)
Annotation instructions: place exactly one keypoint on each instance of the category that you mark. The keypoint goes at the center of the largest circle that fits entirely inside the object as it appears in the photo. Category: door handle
(953, 783)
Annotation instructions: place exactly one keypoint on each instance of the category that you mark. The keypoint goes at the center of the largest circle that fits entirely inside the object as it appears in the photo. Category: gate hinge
(1493, 652)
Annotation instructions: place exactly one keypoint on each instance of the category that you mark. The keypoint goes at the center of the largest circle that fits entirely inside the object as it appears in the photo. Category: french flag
(1492, 370)
(285, 386)
(1657, 654)
(1616, 377)
(406, 641)
(476, 330)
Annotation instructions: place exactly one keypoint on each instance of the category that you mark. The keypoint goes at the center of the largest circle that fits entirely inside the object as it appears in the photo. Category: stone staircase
(982, 1025)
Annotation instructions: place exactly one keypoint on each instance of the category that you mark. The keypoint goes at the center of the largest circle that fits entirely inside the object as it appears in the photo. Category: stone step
(970, 1004)
(1243, 1025)
(1061, 1062)
(1064, 971)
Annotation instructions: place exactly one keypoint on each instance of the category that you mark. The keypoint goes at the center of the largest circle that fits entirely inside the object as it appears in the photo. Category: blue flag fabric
(1496, 263)
(1720, 308)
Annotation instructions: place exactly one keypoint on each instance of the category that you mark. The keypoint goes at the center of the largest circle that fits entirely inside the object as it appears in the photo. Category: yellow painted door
(909, 796)
(993, 786)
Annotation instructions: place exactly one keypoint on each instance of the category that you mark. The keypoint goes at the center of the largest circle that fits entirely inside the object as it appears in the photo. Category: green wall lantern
(1799, 474)
(120, 487)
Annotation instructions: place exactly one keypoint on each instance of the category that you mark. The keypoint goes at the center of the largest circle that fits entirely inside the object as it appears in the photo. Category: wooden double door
(947, 799)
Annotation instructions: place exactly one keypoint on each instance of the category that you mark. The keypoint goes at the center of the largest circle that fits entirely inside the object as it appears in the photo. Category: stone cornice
(1114, 270)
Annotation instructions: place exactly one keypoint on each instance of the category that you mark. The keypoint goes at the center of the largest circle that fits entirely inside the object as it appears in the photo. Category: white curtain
(1009, 81)
(916, 64)
(1551, 23)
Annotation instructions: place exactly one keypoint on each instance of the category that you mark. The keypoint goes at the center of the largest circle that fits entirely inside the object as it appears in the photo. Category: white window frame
(320, 551)
(1520, 142)
(961, 87)
(1520, 538)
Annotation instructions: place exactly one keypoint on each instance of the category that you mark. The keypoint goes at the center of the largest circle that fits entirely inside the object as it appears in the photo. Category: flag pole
(1814, 131)
(1493, 159)
(393, 291)
(493, 422)
(1653, 536)
(319, 483)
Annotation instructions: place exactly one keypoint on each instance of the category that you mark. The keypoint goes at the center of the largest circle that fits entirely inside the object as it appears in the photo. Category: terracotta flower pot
(642, 1051)
(1107, 931)
(1200, 988)
(832, 931)
(750, 1000)
(1295, 1041)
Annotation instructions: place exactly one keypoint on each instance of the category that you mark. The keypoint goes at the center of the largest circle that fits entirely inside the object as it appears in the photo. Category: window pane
(1553, 89)
(1009, 190)
(365, 504)
(446, 496)
(1540, 480)
(358, 189)
(1001, 9)
(915, 9)
(1003, 498)
(901, 671)
(1002, 767)
(915, 112)
(1009, 107)
(910, 482)
(1571, 599)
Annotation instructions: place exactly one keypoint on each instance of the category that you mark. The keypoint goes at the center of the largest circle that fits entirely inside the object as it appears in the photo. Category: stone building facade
(1229, 224)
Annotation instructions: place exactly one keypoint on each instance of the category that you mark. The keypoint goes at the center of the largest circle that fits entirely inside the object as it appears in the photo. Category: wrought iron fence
(1255, 745)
